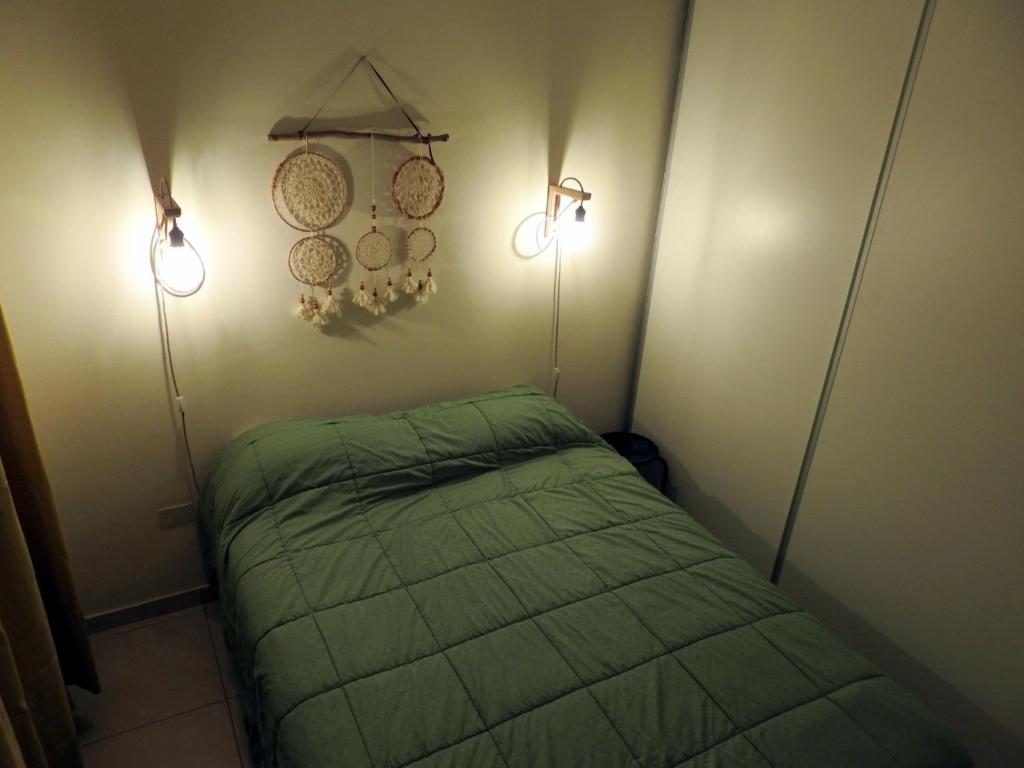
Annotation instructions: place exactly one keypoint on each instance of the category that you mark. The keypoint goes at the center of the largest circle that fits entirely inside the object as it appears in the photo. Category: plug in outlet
(178, 515)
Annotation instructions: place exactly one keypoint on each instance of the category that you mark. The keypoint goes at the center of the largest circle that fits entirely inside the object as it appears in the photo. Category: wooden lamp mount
(167, 208)
(555, 194)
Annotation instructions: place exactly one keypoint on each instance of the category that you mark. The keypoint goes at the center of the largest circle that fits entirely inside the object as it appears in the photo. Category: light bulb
(178, 268)
(575, 233)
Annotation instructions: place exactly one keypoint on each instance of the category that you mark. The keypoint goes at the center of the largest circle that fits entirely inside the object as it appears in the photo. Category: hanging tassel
(361, 298)
(333, 306)
(302, 311)
(317, 318)
(409, 285)
(422, 297)
(390, 294)
(376, 306)
(430, 286)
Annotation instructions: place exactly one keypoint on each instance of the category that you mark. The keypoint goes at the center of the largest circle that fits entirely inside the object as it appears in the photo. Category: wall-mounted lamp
(176, 264)
(178, 270)
(551, 216)
(555, 194)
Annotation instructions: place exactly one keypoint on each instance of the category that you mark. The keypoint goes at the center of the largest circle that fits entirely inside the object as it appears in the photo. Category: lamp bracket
(555, 194)
(167, 208)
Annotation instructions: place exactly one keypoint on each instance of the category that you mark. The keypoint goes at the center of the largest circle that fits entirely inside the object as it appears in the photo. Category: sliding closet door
(784, 112)
(912, 527)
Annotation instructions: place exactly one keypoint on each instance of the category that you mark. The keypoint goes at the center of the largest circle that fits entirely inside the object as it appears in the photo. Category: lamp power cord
(556, 301)
(168, 359)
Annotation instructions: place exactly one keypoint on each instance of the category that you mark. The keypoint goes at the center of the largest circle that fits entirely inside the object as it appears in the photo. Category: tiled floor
(169, 697)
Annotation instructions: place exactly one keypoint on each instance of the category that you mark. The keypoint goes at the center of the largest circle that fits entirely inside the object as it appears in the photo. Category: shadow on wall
(711, 512)
(992, 744)
(154, 104)
(333, 88)
(564, 95)
(154, 112)
(572, 61)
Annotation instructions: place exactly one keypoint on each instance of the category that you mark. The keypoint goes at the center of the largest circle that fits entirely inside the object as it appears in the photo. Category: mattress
(487, 583)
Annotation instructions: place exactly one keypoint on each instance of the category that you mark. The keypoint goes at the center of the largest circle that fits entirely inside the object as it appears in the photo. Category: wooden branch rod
(427, 138)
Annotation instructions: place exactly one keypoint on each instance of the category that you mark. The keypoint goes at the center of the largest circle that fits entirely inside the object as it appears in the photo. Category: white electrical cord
(557, 316)
(165, 340)
(556, 301)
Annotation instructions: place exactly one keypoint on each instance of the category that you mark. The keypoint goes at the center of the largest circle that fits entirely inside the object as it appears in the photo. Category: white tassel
(422, 297)
(430, 286)
(303, 310)
(409, 285)
(376, 307)
(361, 298)
(390, 294)
(317, 318)
(333, 306)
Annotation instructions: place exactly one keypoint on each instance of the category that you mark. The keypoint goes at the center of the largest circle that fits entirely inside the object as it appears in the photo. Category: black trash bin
(643, 454)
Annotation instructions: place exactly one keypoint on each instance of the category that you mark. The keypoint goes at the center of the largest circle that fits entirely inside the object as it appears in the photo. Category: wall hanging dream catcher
(417, 189)
(314, 261)
(309, 193)
(419, 245)
(373, 252)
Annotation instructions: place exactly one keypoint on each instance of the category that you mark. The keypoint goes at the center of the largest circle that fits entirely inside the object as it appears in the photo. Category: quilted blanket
(486, 583)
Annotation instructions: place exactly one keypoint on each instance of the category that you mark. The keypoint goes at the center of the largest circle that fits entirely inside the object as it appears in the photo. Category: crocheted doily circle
(417, 187)
(420, 244)
(373, 251)
(313, 260)
(309, 191)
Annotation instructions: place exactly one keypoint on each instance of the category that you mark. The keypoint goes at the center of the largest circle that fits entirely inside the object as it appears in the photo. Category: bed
(486, 583)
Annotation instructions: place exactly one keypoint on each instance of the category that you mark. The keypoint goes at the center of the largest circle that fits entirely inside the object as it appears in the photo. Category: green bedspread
(486, 583)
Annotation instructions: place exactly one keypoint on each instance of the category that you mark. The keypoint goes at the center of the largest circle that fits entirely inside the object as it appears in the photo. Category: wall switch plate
(179, 514)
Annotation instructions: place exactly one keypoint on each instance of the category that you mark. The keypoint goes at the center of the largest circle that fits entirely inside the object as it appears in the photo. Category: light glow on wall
(762, 222)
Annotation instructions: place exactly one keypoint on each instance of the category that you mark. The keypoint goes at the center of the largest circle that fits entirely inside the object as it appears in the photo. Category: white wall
(909, 538)
(100, 97)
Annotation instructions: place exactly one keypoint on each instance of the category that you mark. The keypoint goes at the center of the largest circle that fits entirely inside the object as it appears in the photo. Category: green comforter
(486, 583)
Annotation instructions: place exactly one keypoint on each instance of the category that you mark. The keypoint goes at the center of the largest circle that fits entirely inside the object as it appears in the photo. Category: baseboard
(150, 609)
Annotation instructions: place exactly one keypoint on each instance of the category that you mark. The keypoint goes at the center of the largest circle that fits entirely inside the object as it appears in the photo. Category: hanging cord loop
(391, 93)
(420, 136)
(302, 131)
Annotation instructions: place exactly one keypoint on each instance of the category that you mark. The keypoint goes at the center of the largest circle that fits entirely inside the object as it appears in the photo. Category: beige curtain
(43, 645)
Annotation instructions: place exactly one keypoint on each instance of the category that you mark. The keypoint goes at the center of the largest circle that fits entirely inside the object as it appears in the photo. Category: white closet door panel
(784, 112)
(913, 519)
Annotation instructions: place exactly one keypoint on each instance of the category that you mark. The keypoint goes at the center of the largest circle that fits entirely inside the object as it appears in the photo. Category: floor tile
(150, 672)
(238, 723)
(199, 739)
(224, 660)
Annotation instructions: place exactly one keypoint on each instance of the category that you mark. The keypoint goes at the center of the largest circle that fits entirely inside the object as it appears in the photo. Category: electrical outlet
(179, 514)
